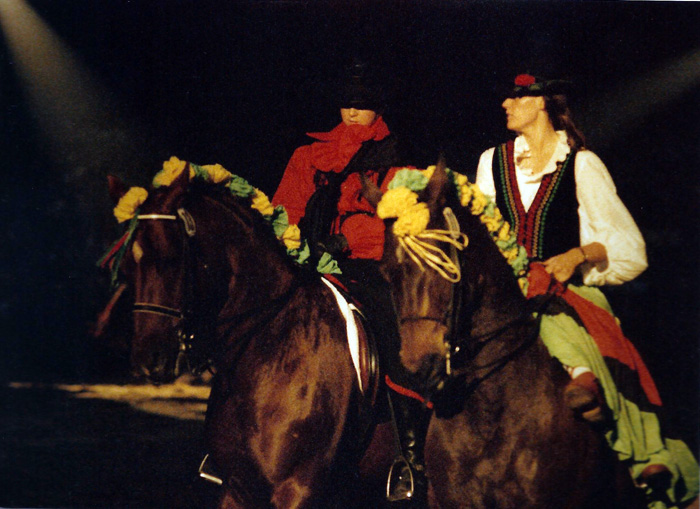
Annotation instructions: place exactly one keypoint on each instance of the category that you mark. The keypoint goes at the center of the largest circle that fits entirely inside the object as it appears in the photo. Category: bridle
(451, 321)
(183, 314)
(450, 317)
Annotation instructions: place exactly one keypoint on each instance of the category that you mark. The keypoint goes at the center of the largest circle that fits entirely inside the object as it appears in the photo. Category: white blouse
(603, 217)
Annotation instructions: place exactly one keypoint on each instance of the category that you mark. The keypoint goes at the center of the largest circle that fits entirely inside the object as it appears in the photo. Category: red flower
(524, 80)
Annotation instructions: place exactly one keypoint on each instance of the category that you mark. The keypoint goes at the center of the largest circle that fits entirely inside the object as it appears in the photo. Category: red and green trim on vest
(551, 225)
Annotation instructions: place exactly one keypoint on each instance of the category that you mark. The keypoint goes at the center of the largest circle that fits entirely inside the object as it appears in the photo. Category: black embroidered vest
(551, 225)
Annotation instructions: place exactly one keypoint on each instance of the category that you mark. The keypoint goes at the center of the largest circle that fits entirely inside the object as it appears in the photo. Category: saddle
(361, 341)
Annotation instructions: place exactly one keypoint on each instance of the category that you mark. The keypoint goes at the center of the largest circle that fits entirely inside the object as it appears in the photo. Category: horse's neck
(508, 359)
(245, 263)
(494, 313)
(495, 298)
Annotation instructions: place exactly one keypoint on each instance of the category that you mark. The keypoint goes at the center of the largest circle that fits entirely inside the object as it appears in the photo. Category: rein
(264, 314)
(157, 309)
(500, 362)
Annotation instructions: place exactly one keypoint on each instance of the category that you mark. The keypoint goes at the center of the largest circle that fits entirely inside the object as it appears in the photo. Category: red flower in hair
(524, 80)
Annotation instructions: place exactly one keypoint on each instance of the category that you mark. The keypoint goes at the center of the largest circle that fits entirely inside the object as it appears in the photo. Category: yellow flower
(412, 221)
(217, 173)
(171, 170)
(461, 180)
(523, 284)
(493, 224)
(395, 202)
(428, 172)
(466, 194)
(292, 237)
(127, 205)
(511, 254)
(504, 232)
(479, 200)
(262, 204)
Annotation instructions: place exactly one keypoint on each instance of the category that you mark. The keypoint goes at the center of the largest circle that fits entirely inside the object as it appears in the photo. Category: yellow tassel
(420, 250)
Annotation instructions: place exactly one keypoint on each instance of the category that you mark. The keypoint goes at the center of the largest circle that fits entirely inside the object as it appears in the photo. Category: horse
(501, 435)
(287, 421)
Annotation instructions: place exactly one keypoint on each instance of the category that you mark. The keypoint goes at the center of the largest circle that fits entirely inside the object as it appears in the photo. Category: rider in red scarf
(330, 154)
(322, 191)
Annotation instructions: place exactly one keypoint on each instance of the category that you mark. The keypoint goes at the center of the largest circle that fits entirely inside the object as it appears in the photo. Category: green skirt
(636, 436)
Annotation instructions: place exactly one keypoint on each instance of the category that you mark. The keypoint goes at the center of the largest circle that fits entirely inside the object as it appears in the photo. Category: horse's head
(469, 292)
(202, 261)
(423, 271)
(154, 266)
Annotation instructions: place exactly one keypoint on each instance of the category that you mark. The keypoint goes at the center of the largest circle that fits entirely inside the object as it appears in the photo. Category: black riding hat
(361, 88)
(532, 86)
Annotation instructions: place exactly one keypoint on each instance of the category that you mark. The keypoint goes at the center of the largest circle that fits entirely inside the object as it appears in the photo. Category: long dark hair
(561, 118)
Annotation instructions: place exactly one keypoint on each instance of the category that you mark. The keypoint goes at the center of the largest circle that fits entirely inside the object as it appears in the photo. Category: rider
(561, 200)
(322, 190)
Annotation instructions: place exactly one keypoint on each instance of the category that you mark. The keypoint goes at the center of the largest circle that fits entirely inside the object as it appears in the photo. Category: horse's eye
(137, 252)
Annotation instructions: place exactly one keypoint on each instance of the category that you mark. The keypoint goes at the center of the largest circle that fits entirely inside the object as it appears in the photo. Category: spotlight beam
(615, 114)
(75, 113)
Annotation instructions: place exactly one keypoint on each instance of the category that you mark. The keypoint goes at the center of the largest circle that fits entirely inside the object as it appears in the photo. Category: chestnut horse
(287, 421)
(501, 436)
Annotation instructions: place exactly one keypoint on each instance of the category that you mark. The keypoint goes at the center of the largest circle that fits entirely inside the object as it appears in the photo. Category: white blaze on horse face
(137, 252)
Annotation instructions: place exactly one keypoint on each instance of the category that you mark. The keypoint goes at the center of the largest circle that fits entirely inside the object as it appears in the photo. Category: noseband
(185, 338)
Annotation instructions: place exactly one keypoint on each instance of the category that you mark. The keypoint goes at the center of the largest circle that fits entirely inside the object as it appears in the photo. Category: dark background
(239, 83)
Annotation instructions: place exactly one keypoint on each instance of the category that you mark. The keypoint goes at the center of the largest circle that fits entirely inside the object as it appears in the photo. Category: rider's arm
(297, 185)
(605, 220)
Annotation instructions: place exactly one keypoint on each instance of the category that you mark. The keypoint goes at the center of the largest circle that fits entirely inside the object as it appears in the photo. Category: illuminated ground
(90, 446)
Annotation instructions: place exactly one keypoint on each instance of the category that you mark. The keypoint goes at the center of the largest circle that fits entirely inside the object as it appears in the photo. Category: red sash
(600, 324)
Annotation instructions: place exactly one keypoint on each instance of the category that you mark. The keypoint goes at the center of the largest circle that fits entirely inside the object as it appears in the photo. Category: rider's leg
(366, 282)
(407, 480)
(584, 395)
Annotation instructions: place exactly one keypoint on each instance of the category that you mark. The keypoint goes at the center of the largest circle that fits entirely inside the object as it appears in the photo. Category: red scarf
(600, 324)
(335, 148)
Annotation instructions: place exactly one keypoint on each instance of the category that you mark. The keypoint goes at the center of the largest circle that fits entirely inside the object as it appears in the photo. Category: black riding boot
(407, 480)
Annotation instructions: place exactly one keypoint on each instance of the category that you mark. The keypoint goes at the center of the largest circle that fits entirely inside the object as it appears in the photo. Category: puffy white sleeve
(484, 174)
(605, 219)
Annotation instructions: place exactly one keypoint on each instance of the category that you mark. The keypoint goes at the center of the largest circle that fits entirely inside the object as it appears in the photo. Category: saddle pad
(346, 309)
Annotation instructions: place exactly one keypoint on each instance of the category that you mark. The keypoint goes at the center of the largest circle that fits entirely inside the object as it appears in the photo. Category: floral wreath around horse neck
(288, 234)
(412, 217)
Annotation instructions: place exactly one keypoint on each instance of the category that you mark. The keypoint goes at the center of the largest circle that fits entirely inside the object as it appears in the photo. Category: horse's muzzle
(422, 344)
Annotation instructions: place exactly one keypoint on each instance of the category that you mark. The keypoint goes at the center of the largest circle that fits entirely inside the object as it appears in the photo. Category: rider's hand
(563, 266)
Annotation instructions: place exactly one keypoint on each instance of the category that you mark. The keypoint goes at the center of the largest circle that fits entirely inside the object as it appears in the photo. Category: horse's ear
(177, 188)
(117, 188)
(435, 190)
(370, 190)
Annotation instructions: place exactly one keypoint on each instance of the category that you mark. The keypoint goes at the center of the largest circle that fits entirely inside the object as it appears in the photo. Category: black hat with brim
(361, 89)
(526, 85)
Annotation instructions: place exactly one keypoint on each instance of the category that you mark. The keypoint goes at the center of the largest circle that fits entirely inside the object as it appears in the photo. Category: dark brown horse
(501, 436)
(286, 422)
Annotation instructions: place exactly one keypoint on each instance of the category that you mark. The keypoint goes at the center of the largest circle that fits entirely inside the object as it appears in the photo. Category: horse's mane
(249, 203)
(475, 212)
(240, 206)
